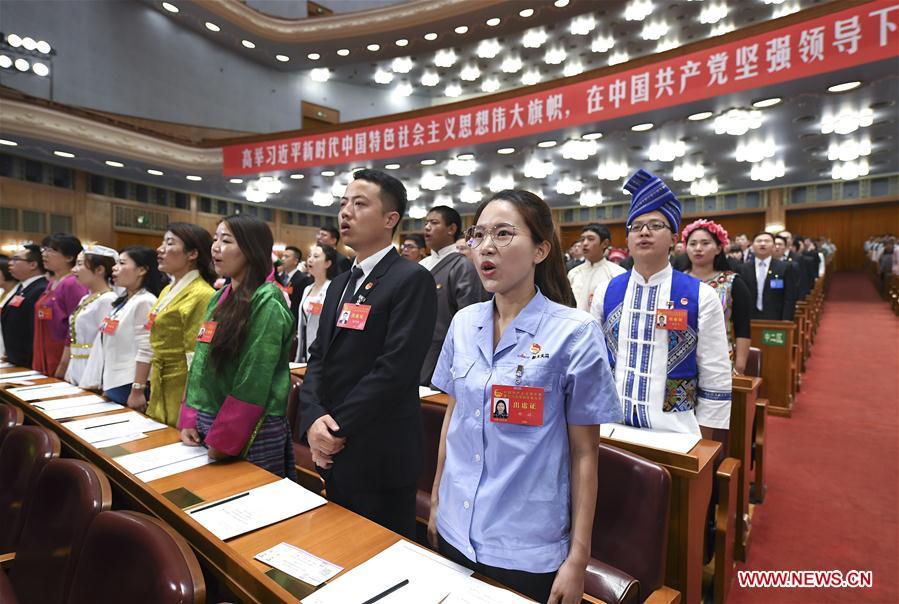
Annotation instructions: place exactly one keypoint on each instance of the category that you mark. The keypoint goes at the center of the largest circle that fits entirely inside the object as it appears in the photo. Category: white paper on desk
(17, 376)
(134, 421)
(677, 442)
(80, 410)
(74, 401)
(159, 457)
(424, 391)
(120, 440)
(296, 366)
(431, 578)
(176, 468)
(5, 365)
(96, 435)
(474, 591)
(299, 563)
(34, 393)
(17, 382)
(260, 507)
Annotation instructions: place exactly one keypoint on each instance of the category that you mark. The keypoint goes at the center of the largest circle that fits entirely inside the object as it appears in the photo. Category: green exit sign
(774, 337)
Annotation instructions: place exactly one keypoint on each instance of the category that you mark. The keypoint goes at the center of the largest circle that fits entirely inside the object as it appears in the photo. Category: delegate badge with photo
(16, 301)
(315, 308)
(353, 316)
(671, 319)
(109, 326)
(522, 405)
(44, 313)
(150, 319)
(207, 332)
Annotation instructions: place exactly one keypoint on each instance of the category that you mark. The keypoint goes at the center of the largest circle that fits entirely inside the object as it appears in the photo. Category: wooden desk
(777, 341)
(691, 491)
(742, 417)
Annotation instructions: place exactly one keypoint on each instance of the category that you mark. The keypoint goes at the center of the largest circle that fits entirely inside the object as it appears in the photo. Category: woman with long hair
(322, 265)
(515, 492)
(174, 320)
(239, 380)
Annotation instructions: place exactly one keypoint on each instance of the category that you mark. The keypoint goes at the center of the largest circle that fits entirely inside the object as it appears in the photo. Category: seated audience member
(17, 313)
(239, 379)
(772, 283)
(586, 277)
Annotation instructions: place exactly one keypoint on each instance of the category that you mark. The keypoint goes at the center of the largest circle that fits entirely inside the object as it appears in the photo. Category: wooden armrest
(591, 599)
(663, 595)
(6, 560)
(725, 527)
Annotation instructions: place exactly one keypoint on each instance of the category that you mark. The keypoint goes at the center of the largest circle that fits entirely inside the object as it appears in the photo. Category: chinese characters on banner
(843, 39)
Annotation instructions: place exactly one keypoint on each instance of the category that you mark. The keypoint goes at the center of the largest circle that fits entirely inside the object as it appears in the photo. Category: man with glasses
(586, 277)
(17, 315)
(413, 248)
(664, 329)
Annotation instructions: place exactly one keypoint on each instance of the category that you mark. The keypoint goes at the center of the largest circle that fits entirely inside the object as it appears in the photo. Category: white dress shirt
(761, 274)
(586, 277)
(367, 266)
(432, 260)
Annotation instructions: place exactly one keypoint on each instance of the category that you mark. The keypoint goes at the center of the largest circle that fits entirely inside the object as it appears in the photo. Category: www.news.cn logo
(805, 578)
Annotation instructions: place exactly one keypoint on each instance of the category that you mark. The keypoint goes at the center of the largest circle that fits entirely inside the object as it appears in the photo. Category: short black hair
(64, 243)
(601, 230)
(34, 255)
(782, 238)
(393, 193)
(450, 216)
(763, 233)
(418, 239)
(295, 250)
(330, 228)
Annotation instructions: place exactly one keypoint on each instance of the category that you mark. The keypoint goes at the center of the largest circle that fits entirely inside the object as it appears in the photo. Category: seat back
(131, 557)
(22, 455)
(431, 424)
(754, 362)
(10, 417)
(630, 528)
(67, 496)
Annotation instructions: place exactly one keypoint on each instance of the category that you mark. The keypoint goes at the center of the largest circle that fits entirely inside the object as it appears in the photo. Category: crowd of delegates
(536, 349)
(881, 250)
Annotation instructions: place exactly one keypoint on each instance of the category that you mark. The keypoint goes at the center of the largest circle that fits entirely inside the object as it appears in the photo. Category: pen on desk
(212, 505)
(387, 592)
(124, 421)
(612, 432)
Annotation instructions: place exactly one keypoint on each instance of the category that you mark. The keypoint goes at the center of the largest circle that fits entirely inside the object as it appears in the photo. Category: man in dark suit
(458, 284)
(292, 278)
(329, 235)
(772, 283)
(359, 404)
(17, 315)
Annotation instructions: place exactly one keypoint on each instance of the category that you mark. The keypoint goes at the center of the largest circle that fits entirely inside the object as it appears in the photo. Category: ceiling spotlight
(461, 167)
(612, 170)
(322, 199)
(642, 127)
(236, 181)
(404, 89)
(417, 212)
(382, 77)
(590, 198)
(569, 186)
(712, 13)
(573, 69)
(488, 49)
(328, 173)
(313, 56)
(637, 10)
(511, 65)
(428, 162)
(738, 122)
(430, 78)
(282, 58)
(499, 182)
(579, 150)
(430, 37)
(493, 22)
(546, 144)
(402, 65)
(534, 168)
(490, 85)
(592, 136)
(667, 150)
(583, 25)
(155, 172)
(5, 62)
(343, 52)
(602, 43)
(555, 56)
(320, 74)
(212, 26)
(506, 150)
(534, 38)
(297, 176)
(413, 193)
(248, 44)
(14, 40)
(65, 154)
(445, 57)
(766, 102)
(373, 47)
(703, 188)
(452, 90)
(170, 7)
(8, 143)
(560, 3)
(528, 12)
(402, 42)
(114, 164)
(470, 73)
(462, 29)
(654, 31)
(702, 115)
(767, 170)
(722, 28)
(194, 178)
(40, 69)
(531, 77)
(465, 156)
(22, 65)
(844, 87)
(619, 57)
(392, 166)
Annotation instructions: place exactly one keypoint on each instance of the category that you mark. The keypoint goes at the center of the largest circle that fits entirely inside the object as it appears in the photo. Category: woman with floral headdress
(706, 242)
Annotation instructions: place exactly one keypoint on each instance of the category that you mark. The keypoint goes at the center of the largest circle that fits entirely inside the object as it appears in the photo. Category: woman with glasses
(515, 491)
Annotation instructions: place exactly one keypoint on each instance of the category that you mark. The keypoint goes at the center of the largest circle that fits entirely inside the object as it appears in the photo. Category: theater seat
(630, 528)
(754, 362)
(67, 496)
(307, 475)
(431, 424)
(131, 557)
(10, 417)
(22, 456)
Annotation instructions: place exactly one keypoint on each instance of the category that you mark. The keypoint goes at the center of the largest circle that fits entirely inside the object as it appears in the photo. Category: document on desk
(97, 430)
(73, 401)
(20, 377)
(151, 459)
(475, 591)
(299, 563)
(44, 391)
(677, 442)
(431, 578)
(81, 410)
(175, 468)
(259, 507)
(424, 391)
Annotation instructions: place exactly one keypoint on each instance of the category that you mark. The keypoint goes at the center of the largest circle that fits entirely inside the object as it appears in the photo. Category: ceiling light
(844, 87)
(702, 115)
(155, 172)
(721, 29)
(546, 144)
(461, 167)
(767, 170)
(493, 22)
(511, 65)
(612, 170)
(432, 182)
(767, 102)
(65, 154)
(170, 7)
(490, 85)
(328, 173)
(212, 26)
(247, 44)
(849, 150)
(667, 150)
(22, 65)
(417, 212)
(313, 56)
(590, 198)
(560, 3)
(667, 44)
(470, 73)
(687, 171)
(703, 188)
(374, 47)
(413, 193)
(322, 199)
(297, 176)
(506, 150)
(428, 162)
(465, 156)
(29, 43)
(282, 58)
(534, 38)
(236, 181)
(194, 178)
(14, 40)
(488, 49)
(528, 12)
(579, 150)
(712, 13)
(462, 29)
(114, 164)
(500, 182)
(8, 143)
(469, 195)
(40, 69)
(392, 166)
(619, 57)
(430, 37)
(846, 121)
(568, 186)
(755, 151)
(737, 122)
(602, 43)
(637, 10)
(573, 69)
(554, 56)
(592, 136)
(788, 8)
(531, 77)
(382, 77)
(402, 42)
(343, 52)
(654, 30)
(849, 170)
(452, 91)
(5, 62)
(320, 74)
(430, 78)
(642, 127)
(583, 25)
(534, 168)
(445, 57)
(254, 195)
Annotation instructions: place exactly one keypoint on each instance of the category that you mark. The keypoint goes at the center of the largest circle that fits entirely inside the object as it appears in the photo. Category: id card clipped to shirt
(521, 405)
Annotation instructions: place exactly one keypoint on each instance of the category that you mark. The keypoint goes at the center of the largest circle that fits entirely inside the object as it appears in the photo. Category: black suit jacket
(295, 286)
(778, 304)
(18, 324)
(368, 380)
(343, 263)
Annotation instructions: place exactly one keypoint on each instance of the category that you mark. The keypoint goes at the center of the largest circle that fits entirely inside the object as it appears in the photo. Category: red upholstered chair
(67, 496)
(131, 557)
(22, 455)
(10, 417)
(754, 362)
(432, 415)
(630, 528)
(306, 473)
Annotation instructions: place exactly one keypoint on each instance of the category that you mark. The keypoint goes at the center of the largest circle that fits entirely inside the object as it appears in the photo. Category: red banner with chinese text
(863, 34)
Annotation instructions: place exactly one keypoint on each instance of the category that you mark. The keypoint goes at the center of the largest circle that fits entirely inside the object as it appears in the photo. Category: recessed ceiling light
(297, 176)
(212, 26)
(428, 162)
(5, 62)
(282, 58)
(194, 178)
(528, 12)
(64, 154)
(702, 115)
(493, 22)
(8, 143)
(560, 3)
(236, 181)
(546, 144)
(767, 102)
(844, 86)
(402, 42)
(313, 56)
(592, 136)
(247, 44)
(506, 150)
(465, 156)
(392, 166)
(430, 37)
(170, 7)
(327, 172)
(462, 29)
(155, 172)
(22, 65)
(343, 52)
(374, 47)
(40, 69)
(320, 74)
(642, 127)
(114, 164)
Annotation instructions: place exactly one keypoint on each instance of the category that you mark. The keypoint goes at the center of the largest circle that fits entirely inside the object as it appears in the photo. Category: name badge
(777, 283)
(109, 326)
(44, 313)
(314, 308)
(16, 301)
(671, 319)
(150, 319)
(289, 290)
(354, 316)
(207, 331)
(521, 405)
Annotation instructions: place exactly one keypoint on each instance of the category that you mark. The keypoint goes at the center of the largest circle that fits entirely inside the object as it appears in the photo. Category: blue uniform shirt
(505, 491)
